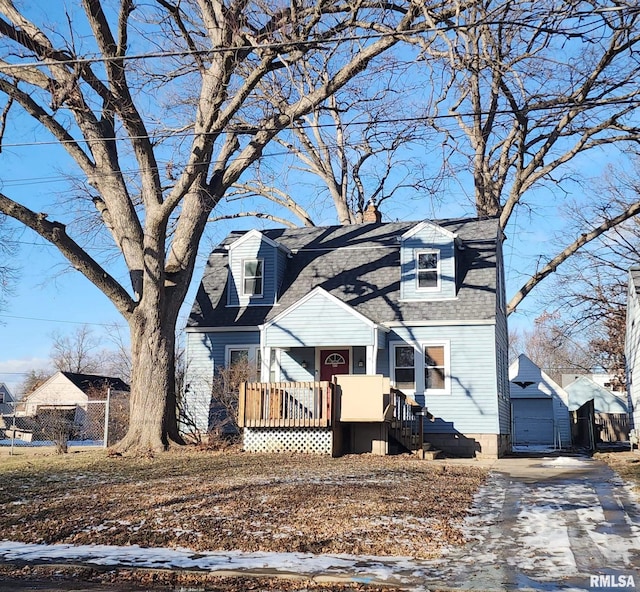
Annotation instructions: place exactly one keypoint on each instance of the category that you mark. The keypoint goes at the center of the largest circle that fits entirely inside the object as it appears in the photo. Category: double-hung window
(428, 268)
(404, 367)
(422, 369)
(252, 277)
(436, 368)
(248, 356)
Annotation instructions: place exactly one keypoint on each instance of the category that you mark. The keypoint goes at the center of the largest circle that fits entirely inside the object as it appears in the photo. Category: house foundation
(471, 445)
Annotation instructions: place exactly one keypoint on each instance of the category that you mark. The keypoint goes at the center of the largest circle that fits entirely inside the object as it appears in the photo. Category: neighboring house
(539, 407)
(607, 381)
(69, 391)
(6, 399)
(632, 348)
(420, 304)
(610, 411)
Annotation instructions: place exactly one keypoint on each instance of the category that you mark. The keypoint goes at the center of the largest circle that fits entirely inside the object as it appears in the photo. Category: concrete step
(430, 454)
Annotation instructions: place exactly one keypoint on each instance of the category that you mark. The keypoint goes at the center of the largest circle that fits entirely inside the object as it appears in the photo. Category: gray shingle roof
(93, 382)
(360, 265)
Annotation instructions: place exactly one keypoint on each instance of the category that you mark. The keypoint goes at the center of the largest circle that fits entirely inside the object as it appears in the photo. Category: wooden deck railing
(285, 404)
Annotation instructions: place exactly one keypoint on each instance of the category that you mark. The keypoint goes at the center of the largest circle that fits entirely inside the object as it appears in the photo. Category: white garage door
(532, 422)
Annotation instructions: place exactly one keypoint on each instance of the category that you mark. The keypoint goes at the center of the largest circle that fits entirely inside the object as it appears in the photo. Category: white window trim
(392, 365)
(438, 286)
(251, 348)
(245, 295)
(447, 367)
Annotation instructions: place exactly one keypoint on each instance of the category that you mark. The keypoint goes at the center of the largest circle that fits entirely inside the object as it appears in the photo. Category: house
(7, 400)
(608, 381)
(611, 418)
(632, 347)
(75, 393)
(414, 310)
(69, 390)
(539, 407)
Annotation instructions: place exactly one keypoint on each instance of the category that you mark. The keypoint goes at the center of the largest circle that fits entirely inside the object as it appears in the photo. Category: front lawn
(206, 500)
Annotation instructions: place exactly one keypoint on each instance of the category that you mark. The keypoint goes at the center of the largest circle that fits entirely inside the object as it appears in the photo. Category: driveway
(549, 524)
(563, 523)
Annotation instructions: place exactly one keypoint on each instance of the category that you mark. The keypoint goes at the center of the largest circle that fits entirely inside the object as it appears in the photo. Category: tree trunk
(153, 417)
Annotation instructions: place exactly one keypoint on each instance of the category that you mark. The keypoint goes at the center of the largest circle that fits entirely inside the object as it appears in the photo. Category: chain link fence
(91, 423)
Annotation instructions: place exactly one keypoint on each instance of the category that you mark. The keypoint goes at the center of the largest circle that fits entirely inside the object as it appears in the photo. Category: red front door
(333, 361)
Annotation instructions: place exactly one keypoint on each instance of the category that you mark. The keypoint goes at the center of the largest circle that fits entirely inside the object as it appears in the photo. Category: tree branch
(55, 233)
(552, 265)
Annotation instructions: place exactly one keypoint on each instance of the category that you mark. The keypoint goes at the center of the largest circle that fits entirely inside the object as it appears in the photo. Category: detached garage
(539, 408)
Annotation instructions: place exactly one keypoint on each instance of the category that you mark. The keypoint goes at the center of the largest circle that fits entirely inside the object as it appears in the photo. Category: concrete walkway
(548, 524)
(561, 523)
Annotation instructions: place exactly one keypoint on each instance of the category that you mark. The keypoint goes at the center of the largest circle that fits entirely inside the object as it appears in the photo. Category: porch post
(265, 366)
(371, 360)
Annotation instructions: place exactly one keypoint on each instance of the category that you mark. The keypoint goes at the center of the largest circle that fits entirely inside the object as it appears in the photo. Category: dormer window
(428, 267)
(252, 278)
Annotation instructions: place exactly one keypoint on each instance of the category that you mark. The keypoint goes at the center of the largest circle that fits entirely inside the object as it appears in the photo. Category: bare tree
(554, 350)
(355, 144)
(33, 380)
(78, 352)
(591, 290)
(155, 161)
(530, 89)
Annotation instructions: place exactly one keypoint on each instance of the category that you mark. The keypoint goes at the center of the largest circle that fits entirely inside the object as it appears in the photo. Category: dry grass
(223, 501)
(626, 464)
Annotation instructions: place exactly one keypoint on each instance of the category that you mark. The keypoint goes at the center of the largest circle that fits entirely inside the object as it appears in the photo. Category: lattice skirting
(313, 440)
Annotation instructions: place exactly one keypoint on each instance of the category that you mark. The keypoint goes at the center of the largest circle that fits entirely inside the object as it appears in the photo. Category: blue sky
(49, 298)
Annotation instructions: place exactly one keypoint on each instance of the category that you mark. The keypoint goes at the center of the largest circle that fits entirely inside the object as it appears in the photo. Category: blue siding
(472, 404)
(291, 364)
(198, 380)
(502, 367)
(427, 239)
(357, 354)
(318, 322)
(502, 348)
(382, 366)
(632, 351)
(253, 248)
(206, 352)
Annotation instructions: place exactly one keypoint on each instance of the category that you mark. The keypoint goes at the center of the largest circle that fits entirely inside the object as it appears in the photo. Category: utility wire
(249, 130)
(7, 316)
(296, 43)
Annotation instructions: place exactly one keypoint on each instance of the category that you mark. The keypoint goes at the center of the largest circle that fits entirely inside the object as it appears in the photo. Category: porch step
(429, 453)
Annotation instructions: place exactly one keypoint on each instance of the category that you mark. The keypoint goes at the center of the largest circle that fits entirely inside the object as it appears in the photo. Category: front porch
(350, 414)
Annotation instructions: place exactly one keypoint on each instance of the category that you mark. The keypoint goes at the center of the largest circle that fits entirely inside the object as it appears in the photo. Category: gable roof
(359, 265)
(256, 234)
(528, 380)
(604, 401)
(4, 389)
(88, 382)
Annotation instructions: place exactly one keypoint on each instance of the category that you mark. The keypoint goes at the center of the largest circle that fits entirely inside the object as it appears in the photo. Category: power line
(248, 130)
(215, 50)
(296, 43)
(7, 316)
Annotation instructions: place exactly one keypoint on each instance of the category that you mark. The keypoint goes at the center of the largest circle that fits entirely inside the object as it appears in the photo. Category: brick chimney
(372, 215)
